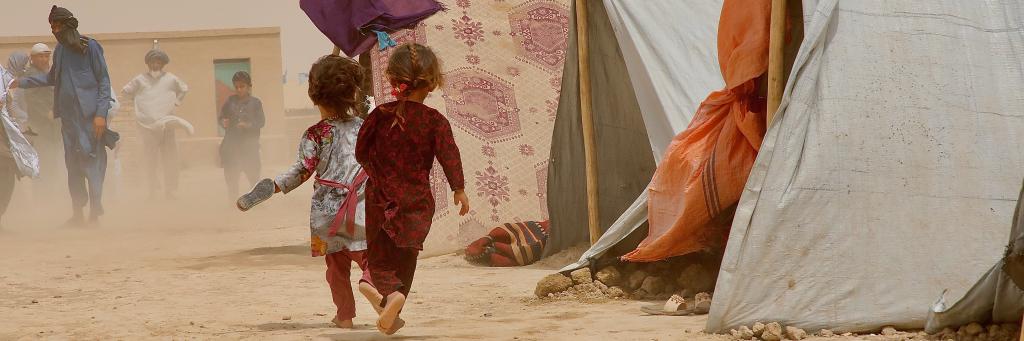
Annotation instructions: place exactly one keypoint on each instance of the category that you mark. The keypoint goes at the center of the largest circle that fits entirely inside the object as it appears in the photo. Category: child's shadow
(370, 333)
(270, 327)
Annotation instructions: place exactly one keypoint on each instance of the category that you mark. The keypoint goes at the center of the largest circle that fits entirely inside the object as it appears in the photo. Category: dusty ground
(195, 268)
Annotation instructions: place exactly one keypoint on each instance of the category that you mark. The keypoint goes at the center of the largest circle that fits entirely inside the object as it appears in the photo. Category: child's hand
(462, 200)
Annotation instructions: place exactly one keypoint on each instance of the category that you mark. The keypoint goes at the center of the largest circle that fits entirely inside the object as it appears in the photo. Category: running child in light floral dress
(327, 151)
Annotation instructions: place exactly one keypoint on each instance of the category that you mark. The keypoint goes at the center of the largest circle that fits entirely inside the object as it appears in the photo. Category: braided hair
(412, 67)
(334, 83)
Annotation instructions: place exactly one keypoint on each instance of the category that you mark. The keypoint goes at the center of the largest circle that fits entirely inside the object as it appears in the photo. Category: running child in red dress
(397, 147)
(336, 217)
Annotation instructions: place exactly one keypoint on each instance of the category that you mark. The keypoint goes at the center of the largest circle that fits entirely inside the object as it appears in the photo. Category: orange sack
(706, 166)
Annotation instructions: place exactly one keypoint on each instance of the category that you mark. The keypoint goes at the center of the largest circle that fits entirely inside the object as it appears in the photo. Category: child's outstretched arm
(296, 175)
(304, 166)
(451, 161)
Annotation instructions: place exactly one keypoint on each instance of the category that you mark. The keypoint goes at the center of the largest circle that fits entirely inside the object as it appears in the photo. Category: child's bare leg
(389, 323)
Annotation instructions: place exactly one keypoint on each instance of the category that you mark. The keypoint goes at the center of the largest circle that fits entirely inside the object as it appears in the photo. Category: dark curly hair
(334, 83)
(242, 76)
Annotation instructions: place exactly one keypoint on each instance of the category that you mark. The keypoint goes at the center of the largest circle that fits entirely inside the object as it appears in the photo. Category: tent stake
(776, 58)
(586, 111)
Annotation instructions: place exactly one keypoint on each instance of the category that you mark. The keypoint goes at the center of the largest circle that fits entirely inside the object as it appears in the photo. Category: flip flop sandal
(395, 326)
(674, 306)
(702, 303)
(259, 193)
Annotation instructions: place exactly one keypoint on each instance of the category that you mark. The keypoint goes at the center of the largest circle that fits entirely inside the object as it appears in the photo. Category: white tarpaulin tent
(672, 68)
(891, 171)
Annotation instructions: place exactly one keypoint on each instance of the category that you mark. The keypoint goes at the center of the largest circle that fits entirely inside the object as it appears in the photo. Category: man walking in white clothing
(156, 94)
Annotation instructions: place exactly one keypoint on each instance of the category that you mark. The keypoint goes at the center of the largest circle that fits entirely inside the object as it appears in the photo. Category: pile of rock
(773, 331)
(581, 284)
(647, 281)
(973, 332)
(978, 332)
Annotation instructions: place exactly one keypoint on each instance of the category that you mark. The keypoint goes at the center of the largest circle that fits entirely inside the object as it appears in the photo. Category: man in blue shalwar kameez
(81, 101)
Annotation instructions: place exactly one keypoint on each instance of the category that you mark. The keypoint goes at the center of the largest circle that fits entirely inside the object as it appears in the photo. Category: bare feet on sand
(346, 324)
(389, 323)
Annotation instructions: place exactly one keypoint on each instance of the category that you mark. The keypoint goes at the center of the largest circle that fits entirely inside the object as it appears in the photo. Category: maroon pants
(391, 267)
(339, 267)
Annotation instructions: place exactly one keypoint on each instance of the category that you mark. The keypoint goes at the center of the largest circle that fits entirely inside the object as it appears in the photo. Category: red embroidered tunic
(398, 158)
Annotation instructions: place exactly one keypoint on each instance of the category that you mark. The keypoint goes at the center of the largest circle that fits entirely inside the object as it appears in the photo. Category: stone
(889, 331)
(772, 332)
(826, 333)
(735, 334)
(945, 337)
(973, 329)
(653, 285)
(610, 276)
(994, 331)
(757, 329)
(794, 333)
(640, 294)
(615, 292)
(581, 276)
(636, 279)
(587, 288)
(696, 278)
(600, 286)
(746, 333)
(553, 283)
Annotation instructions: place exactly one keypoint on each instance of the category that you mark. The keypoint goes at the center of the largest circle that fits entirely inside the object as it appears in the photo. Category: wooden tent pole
(776, 57)
(586, 111)
(337, 51)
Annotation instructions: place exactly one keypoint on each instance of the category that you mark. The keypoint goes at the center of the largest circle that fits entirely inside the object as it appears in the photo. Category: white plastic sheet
(891, 171)
(671, 51)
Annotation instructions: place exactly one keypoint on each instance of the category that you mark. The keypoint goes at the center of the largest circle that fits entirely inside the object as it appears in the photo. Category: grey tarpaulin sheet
(995, 298)
(671, 68)
(890, 172)
(624, 160)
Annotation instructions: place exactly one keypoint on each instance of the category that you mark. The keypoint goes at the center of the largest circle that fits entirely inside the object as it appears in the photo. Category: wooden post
(776, 58)
(337, 51)
(587, 113)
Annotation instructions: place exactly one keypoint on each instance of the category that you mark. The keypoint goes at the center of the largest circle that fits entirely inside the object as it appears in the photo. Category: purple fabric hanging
(349, 24)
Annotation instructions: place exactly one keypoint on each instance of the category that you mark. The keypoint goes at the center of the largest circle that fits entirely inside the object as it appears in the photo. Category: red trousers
(339, 267)
(391, 267)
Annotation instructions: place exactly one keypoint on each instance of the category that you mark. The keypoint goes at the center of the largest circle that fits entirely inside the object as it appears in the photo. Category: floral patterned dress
(327, 149)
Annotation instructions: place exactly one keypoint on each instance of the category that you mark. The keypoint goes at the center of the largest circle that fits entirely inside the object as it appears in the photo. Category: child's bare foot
(389, 323)
(371, 295)
(346, 324)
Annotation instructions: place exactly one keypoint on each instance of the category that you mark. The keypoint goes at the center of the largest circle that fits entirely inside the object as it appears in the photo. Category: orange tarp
(706, 166)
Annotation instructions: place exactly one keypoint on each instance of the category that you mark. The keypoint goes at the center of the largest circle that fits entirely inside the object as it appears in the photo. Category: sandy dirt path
(197, 269)
(194, 268)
